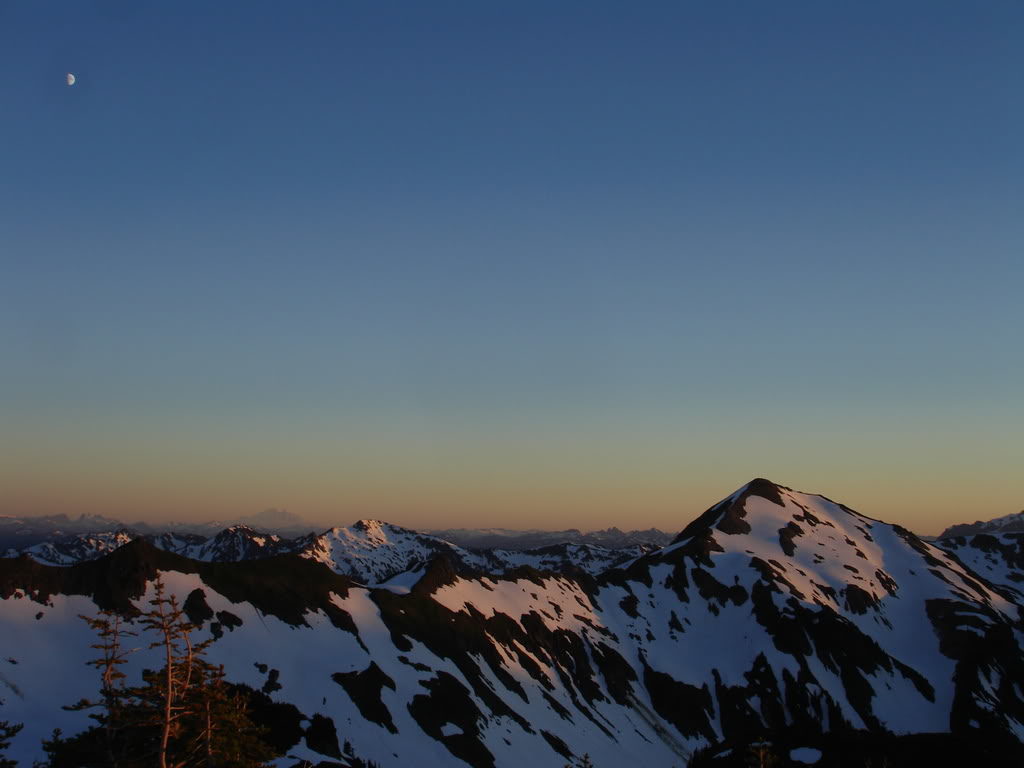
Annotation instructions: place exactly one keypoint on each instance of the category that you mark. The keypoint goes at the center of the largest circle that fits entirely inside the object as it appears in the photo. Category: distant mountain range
(369, 551)
(1008, 524)
(21, 532)
(773, 612)
(504, 538)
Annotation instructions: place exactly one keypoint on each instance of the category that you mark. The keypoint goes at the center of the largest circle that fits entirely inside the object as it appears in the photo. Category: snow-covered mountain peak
(817, 551)
(728, 515)
(373, 551)
(757, 507)
(244, 535)
(375, 529)
(370, 533)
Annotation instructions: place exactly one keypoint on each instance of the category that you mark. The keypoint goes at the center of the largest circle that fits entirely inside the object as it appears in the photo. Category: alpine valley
(775, 615)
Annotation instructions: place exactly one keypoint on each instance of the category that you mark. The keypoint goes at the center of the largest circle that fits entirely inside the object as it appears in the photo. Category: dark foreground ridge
(287, 587)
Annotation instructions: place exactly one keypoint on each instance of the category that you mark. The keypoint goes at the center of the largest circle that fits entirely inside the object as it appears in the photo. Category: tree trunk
(168, 695)
(210, 762)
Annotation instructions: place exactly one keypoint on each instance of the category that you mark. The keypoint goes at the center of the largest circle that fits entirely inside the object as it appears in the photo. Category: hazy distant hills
(22, 532)
(504, 538)
(279, 521)
(772, 612)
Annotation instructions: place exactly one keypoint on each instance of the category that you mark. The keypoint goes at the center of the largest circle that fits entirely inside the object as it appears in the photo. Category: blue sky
(517, 263)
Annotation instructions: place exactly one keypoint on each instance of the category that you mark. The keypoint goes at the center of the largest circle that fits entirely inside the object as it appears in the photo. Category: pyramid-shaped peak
(728, 515)
(764, 488)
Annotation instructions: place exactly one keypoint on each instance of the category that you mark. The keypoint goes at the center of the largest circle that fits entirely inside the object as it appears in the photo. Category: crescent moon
(71, 79)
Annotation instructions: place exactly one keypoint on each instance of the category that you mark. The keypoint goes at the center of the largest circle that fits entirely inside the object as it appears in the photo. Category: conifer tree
(165, 692)
(184, 715)
(7, 732)
(219, 731)
(112, 719)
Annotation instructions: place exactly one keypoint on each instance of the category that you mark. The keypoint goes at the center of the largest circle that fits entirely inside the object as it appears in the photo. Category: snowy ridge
(239, 542)
(772, 610)
(999, 558)
(1006, 524)
(77, 548)
(230, 545)
(370, 551)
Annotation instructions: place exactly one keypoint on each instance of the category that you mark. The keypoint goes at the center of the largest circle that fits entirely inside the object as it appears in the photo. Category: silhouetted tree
(761, 755)
(112, 716)
(184, 715)
(163, 698)
(7, 732)
(218, 730)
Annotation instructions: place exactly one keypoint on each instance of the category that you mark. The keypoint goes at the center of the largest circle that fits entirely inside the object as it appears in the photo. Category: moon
(71, 79)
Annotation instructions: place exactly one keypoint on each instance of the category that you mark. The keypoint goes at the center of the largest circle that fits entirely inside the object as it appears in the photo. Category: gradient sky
(522, 264)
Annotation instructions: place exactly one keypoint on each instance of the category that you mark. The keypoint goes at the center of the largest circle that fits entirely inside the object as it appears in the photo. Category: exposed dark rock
(786, 536)
(196, 607)
(228, 620)
(558, 745)
(712, 588)
(687, 707)
(628, 604)
(727, 516)
(888, 583)
(364, 689)
(451, 635)
(282, 721)
(322, 737)
(448, 701)
(440, 573)
(271, 684)
(857, 600)
(616, 671)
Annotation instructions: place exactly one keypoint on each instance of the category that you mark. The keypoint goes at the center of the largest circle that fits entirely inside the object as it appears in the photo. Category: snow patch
(805, 755)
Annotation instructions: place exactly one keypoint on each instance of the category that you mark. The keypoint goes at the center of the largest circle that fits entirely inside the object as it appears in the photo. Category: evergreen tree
(199, 720)
(219, 731)
(113, 716)
(760, 754)
(184, 715)
(7, 732)
(163, 698)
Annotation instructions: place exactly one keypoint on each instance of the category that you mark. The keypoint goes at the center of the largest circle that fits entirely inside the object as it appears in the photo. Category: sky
(520, 264)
